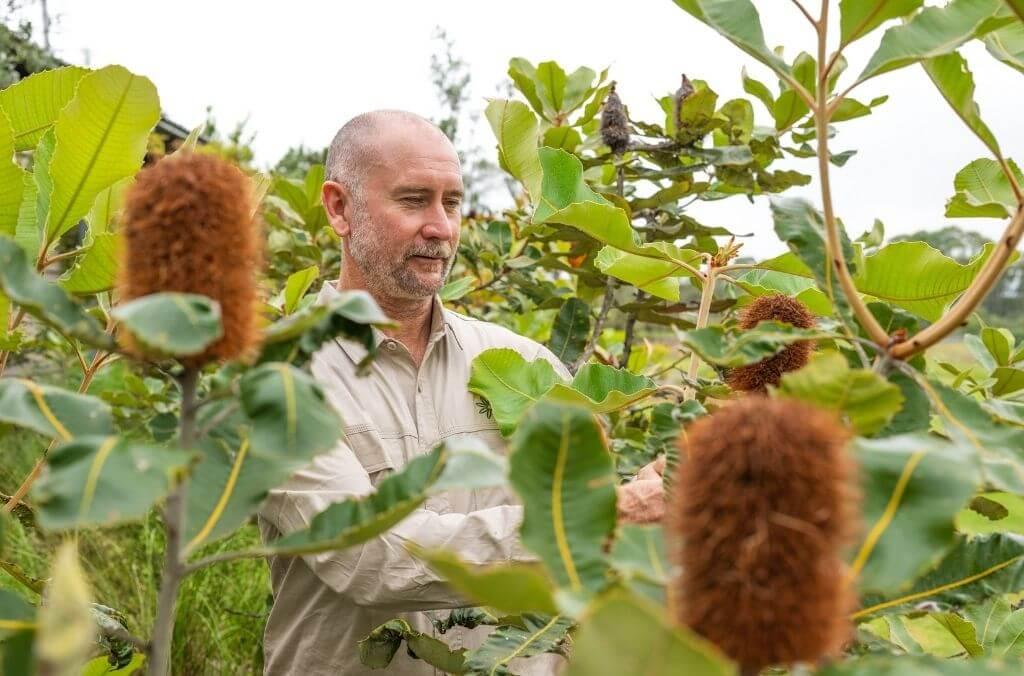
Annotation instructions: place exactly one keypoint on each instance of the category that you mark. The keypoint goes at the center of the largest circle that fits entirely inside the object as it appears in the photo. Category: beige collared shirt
(324, 604)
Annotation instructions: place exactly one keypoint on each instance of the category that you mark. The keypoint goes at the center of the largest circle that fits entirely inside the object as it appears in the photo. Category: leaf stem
(174, 517)
(971, 298)
(707, 294)
(807, 15)
(833, 245)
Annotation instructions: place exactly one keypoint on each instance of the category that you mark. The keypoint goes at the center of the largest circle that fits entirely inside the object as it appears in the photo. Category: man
(393, 194)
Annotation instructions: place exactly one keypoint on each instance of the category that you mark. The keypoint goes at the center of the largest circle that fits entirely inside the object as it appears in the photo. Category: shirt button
(391, 345)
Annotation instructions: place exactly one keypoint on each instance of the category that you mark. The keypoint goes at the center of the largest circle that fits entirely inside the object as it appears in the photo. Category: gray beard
(379, 272)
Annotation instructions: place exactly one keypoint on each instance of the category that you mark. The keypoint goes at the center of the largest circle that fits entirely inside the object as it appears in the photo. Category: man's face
(406, 215)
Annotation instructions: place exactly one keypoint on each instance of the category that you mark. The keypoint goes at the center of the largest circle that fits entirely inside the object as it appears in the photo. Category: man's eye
(452, 205)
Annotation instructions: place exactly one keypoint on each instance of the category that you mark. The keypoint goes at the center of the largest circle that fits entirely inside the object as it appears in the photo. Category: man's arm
(381, 572)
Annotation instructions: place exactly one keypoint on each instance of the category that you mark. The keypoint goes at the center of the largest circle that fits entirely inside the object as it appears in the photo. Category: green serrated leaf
(562, 470)
(861, 396)
(913, 485)
(53, 411)
(101, 481)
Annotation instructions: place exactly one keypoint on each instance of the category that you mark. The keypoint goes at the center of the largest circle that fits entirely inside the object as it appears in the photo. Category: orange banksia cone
(762, 507)
(189, 228)
(780, 308)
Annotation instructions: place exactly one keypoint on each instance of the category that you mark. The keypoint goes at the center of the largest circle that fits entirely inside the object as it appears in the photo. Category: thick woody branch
(973, 297)
(834, 247)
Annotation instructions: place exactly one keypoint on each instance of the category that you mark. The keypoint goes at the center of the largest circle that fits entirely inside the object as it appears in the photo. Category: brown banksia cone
(189, 227)
(685, 90)
(780, 308)
(762, 507)
(614, 123)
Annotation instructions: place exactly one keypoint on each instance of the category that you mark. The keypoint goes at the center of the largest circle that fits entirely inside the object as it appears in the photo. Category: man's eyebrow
(413, 190)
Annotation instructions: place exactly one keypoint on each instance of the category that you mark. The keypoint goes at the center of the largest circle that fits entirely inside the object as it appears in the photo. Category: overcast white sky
(299, 69)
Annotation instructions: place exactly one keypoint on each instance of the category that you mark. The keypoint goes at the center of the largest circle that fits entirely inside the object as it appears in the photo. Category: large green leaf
(179, 324)
(917, 277)
(517, 132)
(26, 230)
(15, 614)
(764, 282)
(12, 179)
(802, 228)
(999, 447)
(289, 413)
(538, 634)
(296, 337)
(297, 285)
(571, 330)
(932, 32)
(44, 299)
(603, 389)
(95, 270)
(1007, 45)
(729, 349)
(738, 22)
(563, 471)
(566, 199)
(916, 665)
(955, 82)
(511, 589)
(974, 570)
(99, 481)
(510, 384)
(32, 104)
(621, 634)
(103, 215)
(283, 422)
(983, 191)
(864, 398)
(53, 411)
(639, 558)
(659, 278)
(351, 522)
(379, 647)
(101, 138)
(860, 17)
(913, 486)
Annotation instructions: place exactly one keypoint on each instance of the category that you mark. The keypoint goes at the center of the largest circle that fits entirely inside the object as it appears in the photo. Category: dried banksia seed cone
(683, 93)
(762, 506)
(614, 123)
(189, 228)
(779, 308)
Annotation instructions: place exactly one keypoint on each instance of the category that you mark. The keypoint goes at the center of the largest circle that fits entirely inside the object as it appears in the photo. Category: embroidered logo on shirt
(484, 407)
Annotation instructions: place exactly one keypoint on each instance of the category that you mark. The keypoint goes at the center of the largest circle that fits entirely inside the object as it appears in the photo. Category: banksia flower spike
(780, 308)
(189, 228)
(614, 123)
(762, 507)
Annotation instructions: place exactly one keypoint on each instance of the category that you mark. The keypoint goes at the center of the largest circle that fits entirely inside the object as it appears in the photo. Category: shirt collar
(439, 326)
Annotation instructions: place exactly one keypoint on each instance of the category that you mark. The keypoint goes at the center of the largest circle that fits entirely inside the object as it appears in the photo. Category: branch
(606, 306)
(706, 296)
(807, 15)
(834, 248)
(627, 343)
(159, 652)
(975, 293)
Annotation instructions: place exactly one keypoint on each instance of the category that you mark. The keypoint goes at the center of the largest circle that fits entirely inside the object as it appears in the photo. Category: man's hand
(642, 500)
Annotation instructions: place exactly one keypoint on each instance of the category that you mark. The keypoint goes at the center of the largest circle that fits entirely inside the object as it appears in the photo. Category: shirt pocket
(379, 454)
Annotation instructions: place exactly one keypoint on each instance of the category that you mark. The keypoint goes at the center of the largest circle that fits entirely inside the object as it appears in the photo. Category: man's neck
(413, 316)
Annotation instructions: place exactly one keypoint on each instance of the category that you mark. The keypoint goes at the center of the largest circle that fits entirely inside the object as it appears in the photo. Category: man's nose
(439, 224)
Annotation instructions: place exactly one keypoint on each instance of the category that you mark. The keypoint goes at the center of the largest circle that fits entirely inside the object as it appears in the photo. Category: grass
(221, 609)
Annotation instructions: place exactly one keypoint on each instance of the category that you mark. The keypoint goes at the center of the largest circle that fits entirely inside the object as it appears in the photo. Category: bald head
(360, 145)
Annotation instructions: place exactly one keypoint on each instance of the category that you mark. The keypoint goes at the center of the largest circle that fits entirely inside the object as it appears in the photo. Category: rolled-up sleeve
(381, 572)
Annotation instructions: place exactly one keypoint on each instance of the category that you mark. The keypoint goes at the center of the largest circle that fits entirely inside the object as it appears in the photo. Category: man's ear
(338, 205)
